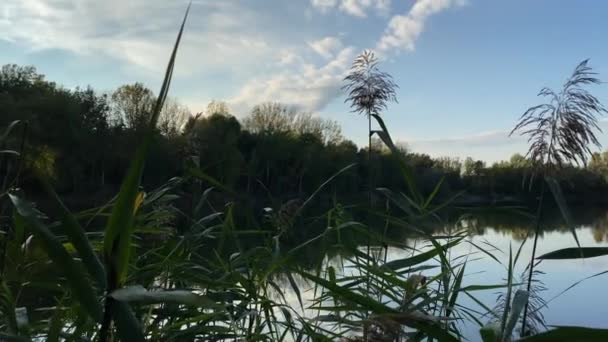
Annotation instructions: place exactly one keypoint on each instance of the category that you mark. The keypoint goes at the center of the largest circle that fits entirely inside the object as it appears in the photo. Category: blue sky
(466, 68)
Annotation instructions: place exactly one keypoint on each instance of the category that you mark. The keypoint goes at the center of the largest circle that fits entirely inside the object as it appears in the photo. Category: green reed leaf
(119, 231)
(77, 280)
(558, 195)
(575, 253)
(77, 236)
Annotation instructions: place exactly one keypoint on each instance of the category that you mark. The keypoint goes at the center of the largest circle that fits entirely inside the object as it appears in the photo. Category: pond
(581, 305)
(504, 229)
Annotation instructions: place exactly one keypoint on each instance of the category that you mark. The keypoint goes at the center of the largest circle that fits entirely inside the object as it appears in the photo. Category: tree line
(83, 140)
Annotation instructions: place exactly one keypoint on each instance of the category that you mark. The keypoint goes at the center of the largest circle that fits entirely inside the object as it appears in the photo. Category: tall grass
(560, 132)
(140, 268)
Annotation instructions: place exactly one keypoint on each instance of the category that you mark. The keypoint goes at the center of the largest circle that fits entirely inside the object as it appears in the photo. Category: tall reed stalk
(560, 132)
(369, 91)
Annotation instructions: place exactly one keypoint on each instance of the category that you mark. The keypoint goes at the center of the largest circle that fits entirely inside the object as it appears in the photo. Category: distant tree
(328, 131)
(72, 139)
(378, 146)
(13, 77)
(270, 118)
(519, 161)
(217, 107)
(403, 147)
(599, 163)
(421, 160)
(93, 134)
(213, 141)
(468, 167)
(448, 164)
(276, 118)
(173, 117)
(23, 92)
(331, 132)
(94, 109)
(132, 105)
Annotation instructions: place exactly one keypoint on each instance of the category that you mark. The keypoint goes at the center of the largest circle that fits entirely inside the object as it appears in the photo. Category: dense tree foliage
(83, 140)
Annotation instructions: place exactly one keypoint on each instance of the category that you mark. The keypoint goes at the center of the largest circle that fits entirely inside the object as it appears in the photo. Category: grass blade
(129, 328)
(119, 231)
(350, 296)
(7, 308)
(78, 282)
(329, 180)
(9, 129)
(77, 236)
(419, 258)
(519, 302)
(434, 193)
(455, 291)
(556, 190)
(575, 253)
(507, 308)
(406, 170)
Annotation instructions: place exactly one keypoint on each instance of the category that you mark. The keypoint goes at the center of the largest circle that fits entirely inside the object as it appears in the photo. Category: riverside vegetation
(206, 242)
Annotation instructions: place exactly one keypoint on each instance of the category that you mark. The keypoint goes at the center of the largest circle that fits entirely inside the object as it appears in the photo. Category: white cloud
(490, 146)
(324, 5)
(139, 33)
(357, 8)
(326, 47)
(497, 137)
(221, 37)
(289, 57)
(249, 46)
(403, 30)
(311, 88)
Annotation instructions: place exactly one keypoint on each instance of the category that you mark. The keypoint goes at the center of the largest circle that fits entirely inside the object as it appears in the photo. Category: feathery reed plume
(562, 130)
(559, 132)
(369, 89)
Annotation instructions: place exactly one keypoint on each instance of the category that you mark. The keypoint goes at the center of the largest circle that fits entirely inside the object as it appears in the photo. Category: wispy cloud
(403, 30)
(324, 5)
(327, 46)
(356, 8)
(311, 88)
(497, 137)
(136, 32)
(489, 145)
(249, 46)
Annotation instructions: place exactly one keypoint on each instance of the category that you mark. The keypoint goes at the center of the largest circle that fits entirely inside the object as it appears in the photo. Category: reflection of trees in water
(516, 223)
(512, 223)
(599, 228)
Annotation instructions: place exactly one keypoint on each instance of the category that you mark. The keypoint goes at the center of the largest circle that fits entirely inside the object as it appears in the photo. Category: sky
(466, 69)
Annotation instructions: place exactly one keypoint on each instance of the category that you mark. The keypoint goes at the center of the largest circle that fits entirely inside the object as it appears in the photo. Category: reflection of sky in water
(584, 305)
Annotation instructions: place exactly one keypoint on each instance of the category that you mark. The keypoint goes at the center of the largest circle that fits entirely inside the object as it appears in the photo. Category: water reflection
(509, 223)
(506, 228)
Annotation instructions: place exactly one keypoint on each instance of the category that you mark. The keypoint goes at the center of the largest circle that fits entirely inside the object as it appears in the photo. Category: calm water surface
(585, 305)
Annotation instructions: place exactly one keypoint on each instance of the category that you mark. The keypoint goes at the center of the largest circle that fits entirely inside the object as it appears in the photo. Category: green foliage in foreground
(132, 275)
